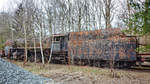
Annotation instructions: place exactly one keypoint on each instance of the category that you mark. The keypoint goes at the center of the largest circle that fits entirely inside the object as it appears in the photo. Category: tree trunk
(35, 51)
(79, 21)
(41, 46)
(26, 51)
(51, 51)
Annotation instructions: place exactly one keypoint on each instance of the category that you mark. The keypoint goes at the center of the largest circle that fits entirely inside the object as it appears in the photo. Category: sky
(6, 5)
(2, 4)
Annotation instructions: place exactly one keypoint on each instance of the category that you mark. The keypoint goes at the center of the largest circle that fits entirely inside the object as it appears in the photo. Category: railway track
(143, 68)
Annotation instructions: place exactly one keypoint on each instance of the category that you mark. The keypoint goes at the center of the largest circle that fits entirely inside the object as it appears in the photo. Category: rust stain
(99, 43)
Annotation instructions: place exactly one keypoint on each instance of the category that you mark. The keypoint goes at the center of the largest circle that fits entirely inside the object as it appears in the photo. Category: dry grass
(38, 68)
(90, 74)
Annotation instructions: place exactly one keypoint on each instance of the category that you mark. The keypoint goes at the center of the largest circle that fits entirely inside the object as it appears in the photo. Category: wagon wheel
(46, 52)
(117, 65)
(96, 64)
(31, 58)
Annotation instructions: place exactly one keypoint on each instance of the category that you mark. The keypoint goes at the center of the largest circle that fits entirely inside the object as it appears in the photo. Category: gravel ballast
(12, 74)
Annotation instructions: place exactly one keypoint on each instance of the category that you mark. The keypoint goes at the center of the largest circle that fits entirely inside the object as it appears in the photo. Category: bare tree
(108, 8)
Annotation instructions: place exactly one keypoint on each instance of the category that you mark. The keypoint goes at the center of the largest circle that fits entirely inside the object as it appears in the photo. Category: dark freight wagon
(102, 47)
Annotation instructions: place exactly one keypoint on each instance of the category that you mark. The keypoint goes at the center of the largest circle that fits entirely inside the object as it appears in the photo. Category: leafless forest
(38, 19)
(34, 18)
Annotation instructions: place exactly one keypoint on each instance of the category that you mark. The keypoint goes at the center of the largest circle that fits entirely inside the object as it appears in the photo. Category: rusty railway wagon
(103, 47)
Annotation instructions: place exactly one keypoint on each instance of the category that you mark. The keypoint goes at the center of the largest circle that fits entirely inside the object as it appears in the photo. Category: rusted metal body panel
(110, 44)
(59, 49)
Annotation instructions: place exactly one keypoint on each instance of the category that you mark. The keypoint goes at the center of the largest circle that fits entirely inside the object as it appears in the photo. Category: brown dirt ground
(69, 74)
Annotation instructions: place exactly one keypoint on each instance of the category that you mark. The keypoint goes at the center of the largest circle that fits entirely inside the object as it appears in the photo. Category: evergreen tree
(140, 20)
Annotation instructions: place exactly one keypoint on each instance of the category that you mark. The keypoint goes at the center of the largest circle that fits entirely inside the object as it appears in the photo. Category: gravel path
(12, 74)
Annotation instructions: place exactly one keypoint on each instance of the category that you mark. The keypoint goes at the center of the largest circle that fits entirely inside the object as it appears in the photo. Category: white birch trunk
(51, 51)
(25, 36)
(41, 47)
(35, 51)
